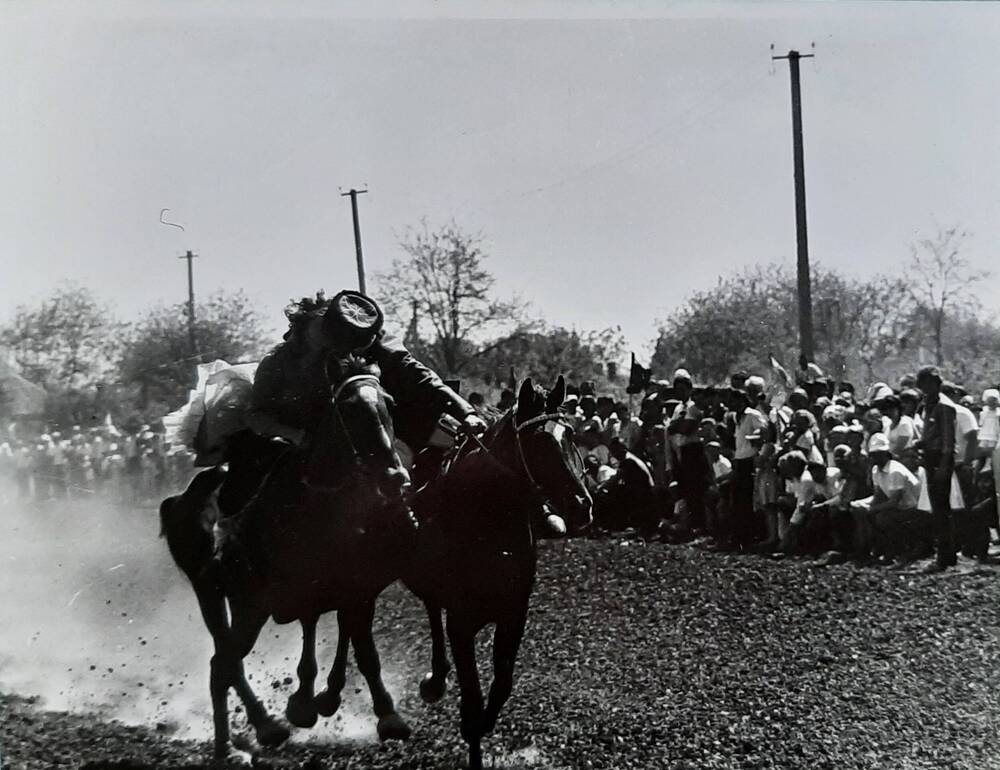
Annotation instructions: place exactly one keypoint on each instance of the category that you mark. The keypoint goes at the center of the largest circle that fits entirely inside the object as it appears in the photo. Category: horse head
(357, 436)
(548, 458)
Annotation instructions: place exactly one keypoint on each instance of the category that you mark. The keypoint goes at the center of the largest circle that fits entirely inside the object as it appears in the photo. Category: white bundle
(219, 400)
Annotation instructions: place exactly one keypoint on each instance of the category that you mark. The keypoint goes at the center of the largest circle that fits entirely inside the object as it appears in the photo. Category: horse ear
(525, 398)
(556, 396)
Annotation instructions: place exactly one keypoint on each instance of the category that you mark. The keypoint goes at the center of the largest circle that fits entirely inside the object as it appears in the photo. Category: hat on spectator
(991, 393)
(839, 430)
(714, 444)
(839, 452)
(823, 402)
(929, 371)
(909, 394)
(879, 442)
(953, 390)
(830, 412)
(755, 385)
(880, 392)
(682, 375)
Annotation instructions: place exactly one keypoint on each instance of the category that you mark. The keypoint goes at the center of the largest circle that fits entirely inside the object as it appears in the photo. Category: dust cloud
(97, 619)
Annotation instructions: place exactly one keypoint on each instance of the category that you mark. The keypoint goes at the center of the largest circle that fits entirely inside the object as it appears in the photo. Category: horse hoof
(327, 703)
(272, 733)
(232, 758)
(393, 728)
(301, 711)
(432, 690)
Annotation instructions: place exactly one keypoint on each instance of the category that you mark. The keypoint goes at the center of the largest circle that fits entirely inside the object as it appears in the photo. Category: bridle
(556, 417)
(336, 398)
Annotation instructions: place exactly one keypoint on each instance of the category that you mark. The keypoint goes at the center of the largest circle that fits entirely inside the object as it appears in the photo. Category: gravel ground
(636, 656)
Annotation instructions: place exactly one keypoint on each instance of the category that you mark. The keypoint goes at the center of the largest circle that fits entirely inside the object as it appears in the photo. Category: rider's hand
(474, 424)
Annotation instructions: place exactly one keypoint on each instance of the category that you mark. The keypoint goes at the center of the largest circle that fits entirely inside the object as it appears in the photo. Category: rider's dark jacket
(293, 391)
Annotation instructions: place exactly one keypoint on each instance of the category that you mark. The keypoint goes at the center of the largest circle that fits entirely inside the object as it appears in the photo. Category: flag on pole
(638, 377)
(782, 373)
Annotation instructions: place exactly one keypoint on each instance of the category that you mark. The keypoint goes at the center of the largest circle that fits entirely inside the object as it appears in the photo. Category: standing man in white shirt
(749, 421)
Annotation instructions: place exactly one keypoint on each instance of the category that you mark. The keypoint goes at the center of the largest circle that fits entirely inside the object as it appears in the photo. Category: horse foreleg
(301, 708)
(391, 726)
(462, 636)
(328, 701)
(246, 626)
(506, 643)
(435, 684)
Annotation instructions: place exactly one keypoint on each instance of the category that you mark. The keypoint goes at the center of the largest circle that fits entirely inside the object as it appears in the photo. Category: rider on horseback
(291, 388)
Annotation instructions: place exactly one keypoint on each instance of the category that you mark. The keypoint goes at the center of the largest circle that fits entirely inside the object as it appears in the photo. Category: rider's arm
(408, 380)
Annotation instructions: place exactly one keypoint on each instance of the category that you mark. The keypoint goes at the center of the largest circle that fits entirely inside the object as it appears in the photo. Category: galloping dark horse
(475, 554)
(318, 535)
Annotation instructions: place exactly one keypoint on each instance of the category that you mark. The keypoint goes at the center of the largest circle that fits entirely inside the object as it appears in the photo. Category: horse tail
(185, 526)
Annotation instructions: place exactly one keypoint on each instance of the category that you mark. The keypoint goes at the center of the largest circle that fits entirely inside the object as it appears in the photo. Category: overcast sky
(616, 156)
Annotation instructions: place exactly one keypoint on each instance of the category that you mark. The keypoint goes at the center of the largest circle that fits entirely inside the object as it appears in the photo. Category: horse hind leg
(328, 701)
(247, 623)
(462, 636)
(301, 709)
(213, 610)
(391, 726)
(434, 685)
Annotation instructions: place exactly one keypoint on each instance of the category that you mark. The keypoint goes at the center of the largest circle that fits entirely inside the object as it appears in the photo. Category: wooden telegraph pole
(192, 340)
(357, 236)
(804, 281)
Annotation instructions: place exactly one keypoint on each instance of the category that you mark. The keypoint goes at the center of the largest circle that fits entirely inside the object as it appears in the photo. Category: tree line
(866, 330)
(441, 297)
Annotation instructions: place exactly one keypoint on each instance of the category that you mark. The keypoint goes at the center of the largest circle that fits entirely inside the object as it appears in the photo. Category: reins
(518, 428)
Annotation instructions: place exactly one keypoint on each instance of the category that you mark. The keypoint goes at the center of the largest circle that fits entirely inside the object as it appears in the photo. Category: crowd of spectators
(812, 469)
(127, 467)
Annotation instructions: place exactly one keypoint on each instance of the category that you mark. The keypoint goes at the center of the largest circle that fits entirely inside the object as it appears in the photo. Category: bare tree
(942, 281)
(442, 289)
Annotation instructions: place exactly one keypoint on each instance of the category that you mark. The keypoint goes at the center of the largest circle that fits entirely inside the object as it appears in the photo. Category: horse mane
(351, 365)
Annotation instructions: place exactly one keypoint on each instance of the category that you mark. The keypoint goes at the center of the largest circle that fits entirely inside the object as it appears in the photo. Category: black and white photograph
(499, 385)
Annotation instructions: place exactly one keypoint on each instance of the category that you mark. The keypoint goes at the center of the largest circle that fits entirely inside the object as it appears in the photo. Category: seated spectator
(848, 529)
(629, 498)
(718, 492)
(596, 473)
(893, 509)
(592, 442)
(796, 501)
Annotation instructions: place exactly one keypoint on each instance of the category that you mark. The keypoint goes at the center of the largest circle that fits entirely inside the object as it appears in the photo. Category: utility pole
(804, 281)
(357, 236)
(192, 341)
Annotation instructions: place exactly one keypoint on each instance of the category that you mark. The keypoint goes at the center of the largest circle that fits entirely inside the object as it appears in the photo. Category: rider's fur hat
(352, 320)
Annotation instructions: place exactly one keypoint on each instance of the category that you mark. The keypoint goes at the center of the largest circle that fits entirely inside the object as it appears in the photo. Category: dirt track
(636, 656)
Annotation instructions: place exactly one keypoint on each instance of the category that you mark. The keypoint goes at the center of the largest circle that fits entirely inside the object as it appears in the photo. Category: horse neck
(495, 475)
